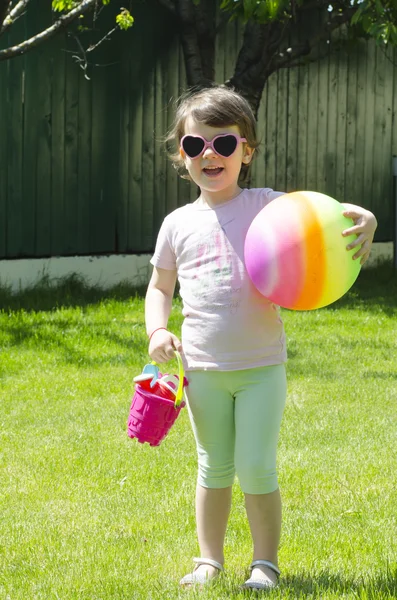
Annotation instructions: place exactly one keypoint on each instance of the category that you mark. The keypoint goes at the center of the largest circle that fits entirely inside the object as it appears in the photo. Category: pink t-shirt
(228, 324)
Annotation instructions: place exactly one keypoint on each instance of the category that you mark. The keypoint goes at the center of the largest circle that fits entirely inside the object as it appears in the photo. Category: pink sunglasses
(224, 144)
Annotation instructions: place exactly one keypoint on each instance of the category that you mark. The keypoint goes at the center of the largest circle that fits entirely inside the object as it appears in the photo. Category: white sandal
(201, 579)
(262, 584)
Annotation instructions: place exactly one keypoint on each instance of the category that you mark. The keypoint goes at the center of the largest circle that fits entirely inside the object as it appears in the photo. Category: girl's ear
(248, 154)
(182, 153)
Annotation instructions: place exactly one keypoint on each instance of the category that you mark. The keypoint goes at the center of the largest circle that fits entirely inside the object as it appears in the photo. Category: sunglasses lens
(225, 145)
(193, 146)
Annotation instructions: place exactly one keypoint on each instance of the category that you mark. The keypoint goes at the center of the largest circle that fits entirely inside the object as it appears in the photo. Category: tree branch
(4, 10)
(253, 65)
(62, 22)
(260, 54)
(13, 15)
(289, 57)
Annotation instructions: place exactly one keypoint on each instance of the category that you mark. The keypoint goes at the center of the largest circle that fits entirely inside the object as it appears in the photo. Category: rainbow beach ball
(295, 254)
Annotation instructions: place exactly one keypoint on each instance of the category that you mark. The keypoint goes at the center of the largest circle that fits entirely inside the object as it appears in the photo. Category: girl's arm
(364, 227)
(158, 304)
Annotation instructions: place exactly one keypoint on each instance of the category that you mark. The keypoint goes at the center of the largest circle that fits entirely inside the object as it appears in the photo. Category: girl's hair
(217, 106)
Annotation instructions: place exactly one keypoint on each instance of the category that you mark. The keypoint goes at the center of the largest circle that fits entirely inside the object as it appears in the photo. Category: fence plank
(43, 226)
(355, 191)
(303, 115)
(57, 164)
(84, 174)
(160, 159)
(71, 155)
(322, 123)
(20, 200)
(124, 164)
(148, 120)
(282, 129)
(341, 108)
(368, 123)
(271, 132)
(4, 117)
(382, 189)
(351, 125)
(293, 146)
(135, 156)
(171, 73)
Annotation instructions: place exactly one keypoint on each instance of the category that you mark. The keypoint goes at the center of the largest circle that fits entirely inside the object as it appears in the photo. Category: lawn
(87, 513)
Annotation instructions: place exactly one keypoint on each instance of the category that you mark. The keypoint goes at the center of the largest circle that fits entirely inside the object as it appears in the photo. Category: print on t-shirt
(215, 266)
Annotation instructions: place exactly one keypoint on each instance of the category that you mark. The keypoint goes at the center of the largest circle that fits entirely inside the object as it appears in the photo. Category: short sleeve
(164, 255)
(271, 195)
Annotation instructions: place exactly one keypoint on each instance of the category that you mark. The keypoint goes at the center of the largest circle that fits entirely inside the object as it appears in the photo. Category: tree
(65, 12)
(277, 33)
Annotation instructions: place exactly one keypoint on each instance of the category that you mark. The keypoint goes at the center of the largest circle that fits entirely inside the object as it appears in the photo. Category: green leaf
(63, 5)
(125, 20)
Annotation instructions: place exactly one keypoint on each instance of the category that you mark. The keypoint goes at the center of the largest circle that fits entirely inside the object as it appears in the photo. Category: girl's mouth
(212, 171)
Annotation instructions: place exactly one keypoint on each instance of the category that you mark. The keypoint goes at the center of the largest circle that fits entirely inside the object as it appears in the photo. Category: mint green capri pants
(236, 417)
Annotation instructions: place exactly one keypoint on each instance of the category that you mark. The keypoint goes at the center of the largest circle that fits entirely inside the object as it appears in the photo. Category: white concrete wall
(105, 271)
(100, 271)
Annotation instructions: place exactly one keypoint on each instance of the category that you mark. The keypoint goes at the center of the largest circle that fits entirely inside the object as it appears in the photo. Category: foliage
(378, 19)
(374, 18)
(124, 20)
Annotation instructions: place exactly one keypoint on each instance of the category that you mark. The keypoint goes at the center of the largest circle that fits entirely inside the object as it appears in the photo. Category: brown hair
(217, 106)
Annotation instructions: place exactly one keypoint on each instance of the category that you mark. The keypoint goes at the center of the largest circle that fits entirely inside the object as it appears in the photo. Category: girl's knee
(256, 479)
(215, 476)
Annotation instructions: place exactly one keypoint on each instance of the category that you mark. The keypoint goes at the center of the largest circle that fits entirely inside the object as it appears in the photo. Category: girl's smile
(212, 171)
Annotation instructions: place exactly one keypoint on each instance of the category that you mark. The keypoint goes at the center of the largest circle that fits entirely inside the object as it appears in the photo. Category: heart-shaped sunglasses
(224, 145)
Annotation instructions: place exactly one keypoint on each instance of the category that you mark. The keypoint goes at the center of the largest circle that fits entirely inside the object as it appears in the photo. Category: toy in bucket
(156, 403)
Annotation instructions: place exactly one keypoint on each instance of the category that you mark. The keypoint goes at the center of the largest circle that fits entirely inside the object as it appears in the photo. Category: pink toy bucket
(151, 416)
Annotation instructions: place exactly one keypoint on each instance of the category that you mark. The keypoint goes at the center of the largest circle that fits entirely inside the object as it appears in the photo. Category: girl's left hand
(364, 228)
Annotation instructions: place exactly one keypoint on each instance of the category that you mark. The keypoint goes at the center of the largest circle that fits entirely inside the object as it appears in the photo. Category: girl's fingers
(351, 214)
(161, 358)
(170, 352)
(163, 355)
(364, 258)
(176, 343)
(359, 240)
(165, 351)
(363, 252)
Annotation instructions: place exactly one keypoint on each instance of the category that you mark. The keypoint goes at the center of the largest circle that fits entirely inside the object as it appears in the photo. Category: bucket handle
(181, 376)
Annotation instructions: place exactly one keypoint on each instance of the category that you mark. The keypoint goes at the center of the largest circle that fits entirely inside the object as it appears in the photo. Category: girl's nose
(208, 152)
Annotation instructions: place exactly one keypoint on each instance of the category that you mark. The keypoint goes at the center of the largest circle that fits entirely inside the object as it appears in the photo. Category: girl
(233, 338)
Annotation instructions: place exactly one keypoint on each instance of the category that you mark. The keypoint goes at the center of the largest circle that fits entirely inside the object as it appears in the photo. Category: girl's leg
(264, 516)
(212, 513)
(211, 410)
(260, 402)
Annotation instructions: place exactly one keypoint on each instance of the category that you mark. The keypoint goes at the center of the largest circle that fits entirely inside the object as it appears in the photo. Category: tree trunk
(197, 33)
(4, 5)
(255, 62)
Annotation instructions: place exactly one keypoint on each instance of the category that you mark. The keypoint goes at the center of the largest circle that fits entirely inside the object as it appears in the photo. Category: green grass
(87, 513)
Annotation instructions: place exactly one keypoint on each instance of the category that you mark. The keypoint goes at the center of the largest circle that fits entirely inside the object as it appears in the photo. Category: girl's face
(216, 175)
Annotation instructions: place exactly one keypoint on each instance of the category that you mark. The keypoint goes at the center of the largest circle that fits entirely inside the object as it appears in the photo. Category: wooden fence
(82, 167)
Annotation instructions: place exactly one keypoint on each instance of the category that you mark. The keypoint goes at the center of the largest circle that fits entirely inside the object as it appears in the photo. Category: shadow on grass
(121, 345)
(375, 290)
(117, 349)
(70, 292)
(383, 585)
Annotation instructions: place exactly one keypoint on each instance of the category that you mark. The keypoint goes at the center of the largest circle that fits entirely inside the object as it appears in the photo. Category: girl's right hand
(162, 346)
